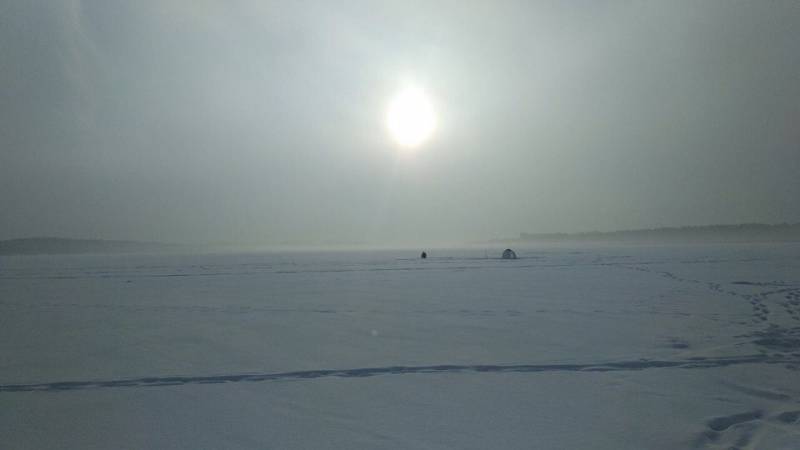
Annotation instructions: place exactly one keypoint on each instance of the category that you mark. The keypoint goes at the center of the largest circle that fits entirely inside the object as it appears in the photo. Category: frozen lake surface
(624, 347)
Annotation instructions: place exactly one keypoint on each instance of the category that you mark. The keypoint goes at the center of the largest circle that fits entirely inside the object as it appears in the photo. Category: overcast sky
(251, 121)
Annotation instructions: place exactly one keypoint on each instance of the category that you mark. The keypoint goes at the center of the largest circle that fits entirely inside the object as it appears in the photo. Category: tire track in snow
(634, 365)
(741, 430)
(757, 301)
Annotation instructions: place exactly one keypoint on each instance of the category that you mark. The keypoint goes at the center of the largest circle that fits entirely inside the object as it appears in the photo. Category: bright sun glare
(411, 119)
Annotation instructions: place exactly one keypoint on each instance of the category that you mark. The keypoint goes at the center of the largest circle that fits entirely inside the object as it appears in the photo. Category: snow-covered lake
(610, 347)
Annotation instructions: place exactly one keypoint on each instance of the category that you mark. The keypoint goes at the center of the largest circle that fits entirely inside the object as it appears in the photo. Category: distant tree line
(52, 245)
(714, 233)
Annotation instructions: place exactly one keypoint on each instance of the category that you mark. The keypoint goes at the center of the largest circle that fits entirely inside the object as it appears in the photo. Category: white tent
(509, 254)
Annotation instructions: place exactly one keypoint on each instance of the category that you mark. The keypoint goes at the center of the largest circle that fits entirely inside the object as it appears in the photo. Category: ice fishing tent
(509, 254)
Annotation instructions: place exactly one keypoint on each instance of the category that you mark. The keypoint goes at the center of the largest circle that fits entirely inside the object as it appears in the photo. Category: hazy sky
(254, 121)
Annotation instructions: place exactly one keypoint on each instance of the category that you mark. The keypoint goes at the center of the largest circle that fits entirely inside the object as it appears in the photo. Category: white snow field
(604, 347)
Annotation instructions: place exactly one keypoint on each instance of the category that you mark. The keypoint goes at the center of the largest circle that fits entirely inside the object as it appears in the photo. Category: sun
(411, 119)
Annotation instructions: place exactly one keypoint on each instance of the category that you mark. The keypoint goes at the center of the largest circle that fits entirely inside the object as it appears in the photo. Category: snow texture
(626, 347)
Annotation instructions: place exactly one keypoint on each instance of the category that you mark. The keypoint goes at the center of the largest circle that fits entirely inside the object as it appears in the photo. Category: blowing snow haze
(265, 122)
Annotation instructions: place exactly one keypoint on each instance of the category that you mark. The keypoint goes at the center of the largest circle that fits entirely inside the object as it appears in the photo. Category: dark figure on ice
(509, 254)
(423, 255)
